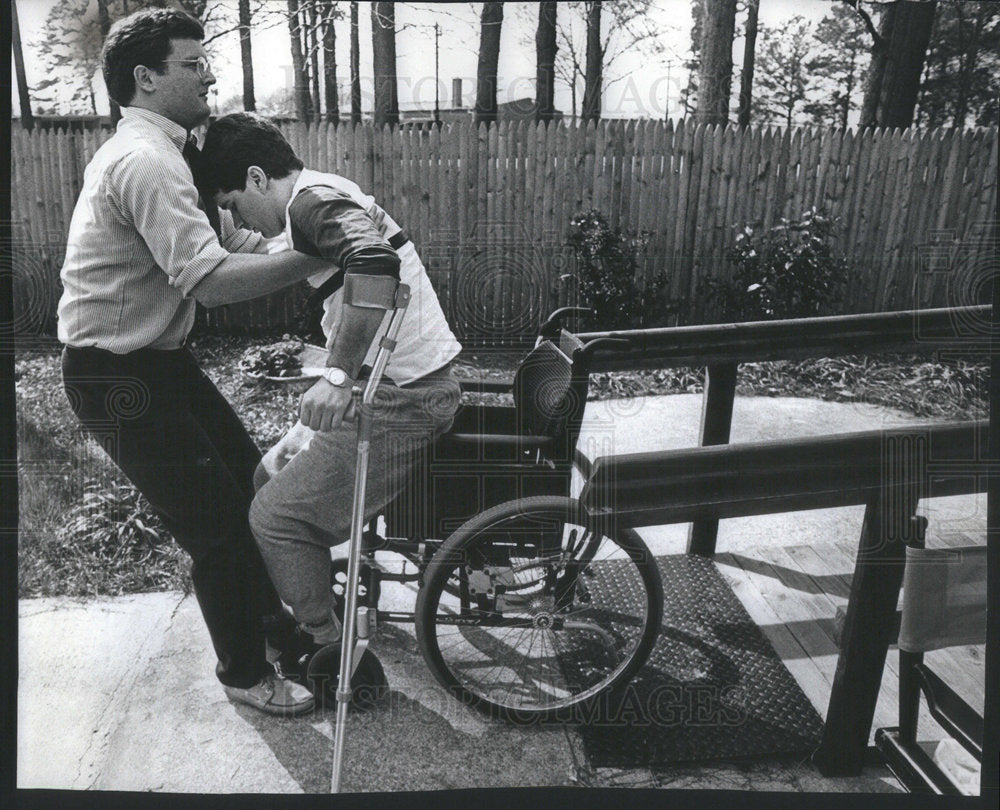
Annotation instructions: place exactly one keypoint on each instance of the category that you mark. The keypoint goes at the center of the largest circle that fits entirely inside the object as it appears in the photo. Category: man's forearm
(356, 331)
(240, 277)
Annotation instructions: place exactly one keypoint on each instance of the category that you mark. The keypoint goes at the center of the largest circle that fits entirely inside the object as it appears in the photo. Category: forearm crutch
(348, 654)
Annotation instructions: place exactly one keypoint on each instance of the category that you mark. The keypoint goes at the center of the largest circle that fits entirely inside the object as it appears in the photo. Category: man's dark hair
(143, 38)
(236, 142)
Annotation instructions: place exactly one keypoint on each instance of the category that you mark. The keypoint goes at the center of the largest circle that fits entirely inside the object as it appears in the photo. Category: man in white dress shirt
(140, 253)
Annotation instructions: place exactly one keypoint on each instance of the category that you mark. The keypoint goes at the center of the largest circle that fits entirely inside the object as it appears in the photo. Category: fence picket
(463, 190)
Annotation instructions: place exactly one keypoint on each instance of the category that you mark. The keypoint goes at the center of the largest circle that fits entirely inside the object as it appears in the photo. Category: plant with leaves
(114, 541)
(837, 66)
(789, 271)
(782, 78)
(607, 261)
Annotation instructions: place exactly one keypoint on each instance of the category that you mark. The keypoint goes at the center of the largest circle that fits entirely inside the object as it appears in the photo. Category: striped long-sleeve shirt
(138, 243)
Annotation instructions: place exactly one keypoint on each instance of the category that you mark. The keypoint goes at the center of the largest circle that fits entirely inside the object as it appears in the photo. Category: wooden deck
(792, 593)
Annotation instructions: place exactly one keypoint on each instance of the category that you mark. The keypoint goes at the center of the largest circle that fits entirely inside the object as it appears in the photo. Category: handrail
(887, 470)
(905, 330)
(722, 347)
(754, 478)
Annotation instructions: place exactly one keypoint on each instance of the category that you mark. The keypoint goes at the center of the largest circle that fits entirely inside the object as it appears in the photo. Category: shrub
(787, 272)
(606, 264)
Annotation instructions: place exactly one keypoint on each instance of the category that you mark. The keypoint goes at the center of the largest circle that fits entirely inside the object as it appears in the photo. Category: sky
(637, 84)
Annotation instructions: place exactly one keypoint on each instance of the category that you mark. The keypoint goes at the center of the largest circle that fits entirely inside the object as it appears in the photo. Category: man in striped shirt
(140, 254)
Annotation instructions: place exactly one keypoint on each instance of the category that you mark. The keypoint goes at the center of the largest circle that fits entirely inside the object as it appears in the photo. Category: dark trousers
(179, 442)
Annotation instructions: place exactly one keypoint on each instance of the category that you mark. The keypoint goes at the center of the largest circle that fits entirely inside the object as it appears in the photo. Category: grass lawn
(84, 531)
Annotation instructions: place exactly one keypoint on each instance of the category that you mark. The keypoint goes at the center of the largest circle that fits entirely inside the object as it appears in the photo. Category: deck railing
(889, 471)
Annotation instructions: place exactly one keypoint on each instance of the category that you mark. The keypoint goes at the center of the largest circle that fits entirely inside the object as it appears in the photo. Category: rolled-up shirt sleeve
(240, 240)
(336, 227)
(155, 194)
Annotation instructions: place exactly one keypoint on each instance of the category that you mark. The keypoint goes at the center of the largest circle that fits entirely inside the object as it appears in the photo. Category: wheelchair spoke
(539, 631)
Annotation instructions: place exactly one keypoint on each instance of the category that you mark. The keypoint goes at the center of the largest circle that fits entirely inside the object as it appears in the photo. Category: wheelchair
(527, 608)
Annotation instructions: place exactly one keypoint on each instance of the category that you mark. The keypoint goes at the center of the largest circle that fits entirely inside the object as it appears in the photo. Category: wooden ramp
(793, 593)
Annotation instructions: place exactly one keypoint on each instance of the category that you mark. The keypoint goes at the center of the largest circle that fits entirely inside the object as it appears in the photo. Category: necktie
(191, 155)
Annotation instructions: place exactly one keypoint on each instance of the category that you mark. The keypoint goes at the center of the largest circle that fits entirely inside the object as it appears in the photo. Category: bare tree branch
(877, 39)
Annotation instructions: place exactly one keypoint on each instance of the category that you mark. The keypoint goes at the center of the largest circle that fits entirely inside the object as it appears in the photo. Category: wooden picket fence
(489, 208)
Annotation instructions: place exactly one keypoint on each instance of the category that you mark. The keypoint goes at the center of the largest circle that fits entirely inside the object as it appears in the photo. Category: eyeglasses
(200, 64)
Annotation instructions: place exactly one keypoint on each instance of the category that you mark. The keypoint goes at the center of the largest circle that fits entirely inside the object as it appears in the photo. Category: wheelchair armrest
(500, 440)
(486, 386)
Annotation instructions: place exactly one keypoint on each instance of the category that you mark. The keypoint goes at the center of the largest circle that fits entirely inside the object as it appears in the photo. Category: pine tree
(837, 67)
(782, 77)
(962, 78)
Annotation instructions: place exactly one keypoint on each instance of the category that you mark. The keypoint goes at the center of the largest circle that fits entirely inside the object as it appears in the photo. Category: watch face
(335, 376)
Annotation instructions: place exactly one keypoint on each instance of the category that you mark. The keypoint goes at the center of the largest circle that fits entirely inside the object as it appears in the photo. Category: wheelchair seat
(494, 453)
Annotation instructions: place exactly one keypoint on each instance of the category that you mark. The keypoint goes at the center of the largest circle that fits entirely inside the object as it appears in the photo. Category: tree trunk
(489, 57)
(104, 20)
(716, 74)
(384, 59)
(246, 57)
(330, 65)
(27, 117)
(355, 66)
(545, 60)
(746, 74)
(298, 63)
(893, 79)
(312, 49)
(967, 62)
(845, 108)
(689, 96)
(595, 60)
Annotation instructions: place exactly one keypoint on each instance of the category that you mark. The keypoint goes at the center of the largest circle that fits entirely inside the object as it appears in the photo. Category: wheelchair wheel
(551, 611)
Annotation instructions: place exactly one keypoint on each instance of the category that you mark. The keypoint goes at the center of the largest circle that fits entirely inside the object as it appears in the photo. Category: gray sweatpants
(306, 507)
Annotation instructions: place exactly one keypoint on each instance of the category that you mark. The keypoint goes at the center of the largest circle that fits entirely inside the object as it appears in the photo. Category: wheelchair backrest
(550, 393)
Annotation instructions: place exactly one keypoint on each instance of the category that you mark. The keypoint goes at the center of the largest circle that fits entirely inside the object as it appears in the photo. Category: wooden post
(870, 623)
(909, 688)
(716, 421)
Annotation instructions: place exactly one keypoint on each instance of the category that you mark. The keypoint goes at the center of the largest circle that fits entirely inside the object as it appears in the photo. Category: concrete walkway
(120, 694)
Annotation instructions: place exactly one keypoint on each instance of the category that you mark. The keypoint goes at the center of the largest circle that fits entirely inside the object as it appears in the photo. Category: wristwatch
(336, 376)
